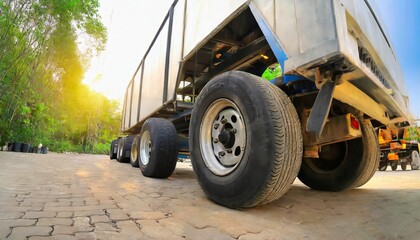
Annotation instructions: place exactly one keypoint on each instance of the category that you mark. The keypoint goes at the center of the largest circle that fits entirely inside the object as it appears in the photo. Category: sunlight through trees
(42, 64)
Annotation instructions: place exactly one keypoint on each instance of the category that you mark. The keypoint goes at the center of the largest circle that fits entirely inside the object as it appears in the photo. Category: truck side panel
(155, 80)
(310, 38)
(177, 39)
(300, 29)
(154, 75)
(124, 113)
(312, 33)
(127, 106)
(134, 97)
(379, 47)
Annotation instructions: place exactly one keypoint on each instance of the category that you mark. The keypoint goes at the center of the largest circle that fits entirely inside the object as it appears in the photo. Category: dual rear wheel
(246, 145)
(154, 151)
(124, 149)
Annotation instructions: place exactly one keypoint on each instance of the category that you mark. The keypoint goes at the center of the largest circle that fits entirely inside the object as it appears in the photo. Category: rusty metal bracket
(322, 105)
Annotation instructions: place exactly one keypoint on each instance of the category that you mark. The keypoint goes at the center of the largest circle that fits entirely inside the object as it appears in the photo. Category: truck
(335, 80)
(399, 146)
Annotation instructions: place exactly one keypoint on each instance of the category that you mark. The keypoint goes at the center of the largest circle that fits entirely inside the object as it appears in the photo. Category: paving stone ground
(57, 196)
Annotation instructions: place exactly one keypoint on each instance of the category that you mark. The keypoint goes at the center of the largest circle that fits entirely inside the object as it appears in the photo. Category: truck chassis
(198, 90)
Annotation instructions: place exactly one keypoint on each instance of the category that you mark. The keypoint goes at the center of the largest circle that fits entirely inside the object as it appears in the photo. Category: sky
(402, 20)
(133, 24)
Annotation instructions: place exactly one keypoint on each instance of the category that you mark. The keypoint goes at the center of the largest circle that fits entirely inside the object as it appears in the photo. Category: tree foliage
(42, 64)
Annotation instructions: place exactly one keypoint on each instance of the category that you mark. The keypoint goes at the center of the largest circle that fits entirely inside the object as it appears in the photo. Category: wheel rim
(222, 137)
(134, 152)
(115, 148)
(145, 148)
(394, 165)
(120, 150)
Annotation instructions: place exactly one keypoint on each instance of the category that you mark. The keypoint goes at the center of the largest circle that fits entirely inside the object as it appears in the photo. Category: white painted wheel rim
(121, 150)
(134, 151)
(222, 137)
(145, 148)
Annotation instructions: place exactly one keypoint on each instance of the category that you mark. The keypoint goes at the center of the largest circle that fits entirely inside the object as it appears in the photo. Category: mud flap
(320, 109)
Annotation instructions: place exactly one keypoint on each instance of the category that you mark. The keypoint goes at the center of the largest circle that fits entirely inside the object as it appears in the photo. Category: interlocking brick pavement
(61, 197)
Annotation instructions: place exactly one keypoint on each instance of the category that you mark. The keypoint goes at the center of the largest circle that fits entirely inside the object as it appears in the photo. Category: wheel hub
(330, 158)
(222, 137)
(227, 137)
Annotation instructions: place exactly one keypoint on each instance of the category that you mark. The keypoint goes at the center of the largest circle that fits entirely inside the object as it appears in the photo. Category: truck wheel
(383, 161)
(404, 166)
(382, 166)
(119, 149)
(158, 148)
(113, 149)
(245, 140)
(343, 165)
(394, 165)
(415, 160)
(124, 149)
(134, 160)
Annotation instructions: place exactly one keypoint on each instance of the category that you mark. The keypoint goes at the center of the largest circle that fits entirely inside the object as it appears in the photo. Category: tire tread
(288, 143)
(373, 157)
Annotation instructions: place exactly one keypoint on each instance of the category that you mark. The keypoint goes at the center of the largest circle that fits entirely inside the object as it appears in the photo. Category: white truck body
(259, 92)
(310, 33)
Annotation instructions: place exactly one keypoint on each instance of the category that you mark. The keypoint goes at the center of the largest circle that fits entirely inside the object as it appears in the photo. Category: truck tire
(343, 165)
(124, 149)
(158, 148)
(383, 161)
(394, 165)
(404, 166)
(134, 157)
(245, 140)
(119, 149)
(371, 156)
(415, 160)
(382, 166)
(113, 149)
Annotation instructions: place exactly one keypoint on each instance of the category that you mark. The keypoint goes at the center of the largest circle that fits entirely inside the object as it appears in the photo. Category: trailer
(335, 78)
(399, 146)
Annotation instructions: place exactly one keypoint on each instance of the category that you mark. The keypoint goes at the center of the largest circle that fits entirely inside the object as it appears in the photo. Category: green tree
(42, 98)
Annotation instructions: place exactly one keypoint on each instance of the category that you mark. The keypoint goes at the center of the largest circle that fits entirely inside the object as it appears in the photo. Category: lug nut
(222, 153)
(233, 130)
(229, 150)
(216, 140)
(216, 126)
(223, 121)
